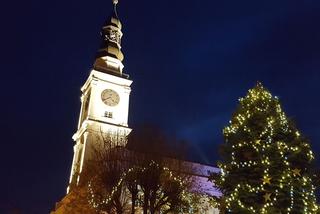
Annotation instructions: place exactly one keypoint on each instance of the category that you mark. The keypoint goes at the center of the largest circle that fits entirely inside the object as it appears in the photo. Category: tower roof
(113, 19)
(109, 55)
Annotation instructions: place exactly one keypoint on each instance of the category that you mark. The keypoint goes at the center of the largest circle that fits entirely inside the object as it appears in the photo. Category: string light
(97, 201)
(264, 142)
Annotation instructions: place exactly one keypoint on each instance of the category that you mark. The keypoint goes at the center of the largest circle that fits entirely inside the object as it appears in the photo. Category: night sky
(189, 60)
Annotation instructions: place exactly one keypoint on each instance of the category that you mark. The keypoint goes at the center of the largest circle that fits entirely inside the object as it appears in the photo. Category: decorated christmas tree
(266, 162)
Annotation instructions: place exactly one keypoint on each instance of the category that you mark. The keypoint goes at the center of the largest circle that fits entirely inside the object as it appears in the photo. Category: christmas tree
(266, 162)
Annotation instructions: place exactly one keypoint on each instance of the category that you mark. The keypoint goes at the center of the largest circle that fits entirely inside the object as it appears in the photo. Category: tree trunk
(133, 200)
(145, 202)
(119, 208)
(152, 203)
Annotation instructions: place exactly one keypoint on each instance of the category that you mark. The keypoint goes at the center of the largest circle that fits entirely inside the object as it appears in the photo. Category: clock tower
(104, 98)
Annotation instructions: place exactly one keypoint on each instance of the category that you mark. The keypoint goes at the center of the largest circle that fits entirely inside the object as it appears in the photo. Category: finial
(115, 2)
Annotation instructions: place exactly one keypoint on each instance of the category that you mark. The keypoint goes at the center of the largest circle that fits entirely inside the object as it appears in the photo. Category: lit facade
(104, 111)
(104, 99)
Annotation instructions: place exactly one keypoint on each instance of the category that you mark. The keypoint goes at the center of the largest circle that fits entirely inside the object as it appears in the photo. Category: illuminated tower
(104, 99)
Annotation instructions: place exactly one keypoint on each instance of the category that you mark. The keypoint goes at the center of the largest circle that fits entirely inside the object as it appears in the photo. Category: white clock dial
(110, 97)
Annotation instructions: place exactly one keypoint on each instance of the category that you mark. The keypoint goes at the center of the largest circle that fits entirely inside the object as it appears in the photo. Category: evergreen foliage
(266, 163)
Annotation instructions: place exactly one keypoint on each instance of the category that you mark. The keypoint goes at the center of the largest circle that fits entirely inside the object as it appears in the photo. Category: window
(85, 107)
(108, 114)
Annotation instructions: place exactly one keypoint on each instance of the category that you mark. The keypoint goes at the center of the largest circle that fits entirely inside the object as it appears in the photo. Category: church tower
(104, 99)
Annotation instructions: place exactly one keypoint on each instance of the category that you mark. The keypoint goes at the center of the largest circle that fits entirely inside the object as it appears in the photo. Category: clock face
(110, 97)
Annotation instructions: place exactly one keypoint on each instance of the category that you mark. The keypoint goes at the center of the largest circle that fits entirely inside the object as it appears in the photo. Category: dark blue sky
(190, 62)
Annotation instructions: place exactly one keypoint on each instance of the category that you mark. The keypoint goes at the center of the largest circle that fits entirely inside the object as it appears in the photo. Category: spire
(115, 2)
(109, 56)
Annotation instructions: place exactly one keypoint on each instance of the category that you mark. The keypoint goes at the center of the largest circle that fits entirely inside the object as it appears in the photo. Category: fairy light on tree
(160, 190)
(266, 162)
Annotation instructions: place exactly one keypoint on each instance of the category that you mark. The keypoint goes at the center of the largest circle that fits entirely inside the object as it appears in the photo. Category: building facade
(104, 99)
(105, 108)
